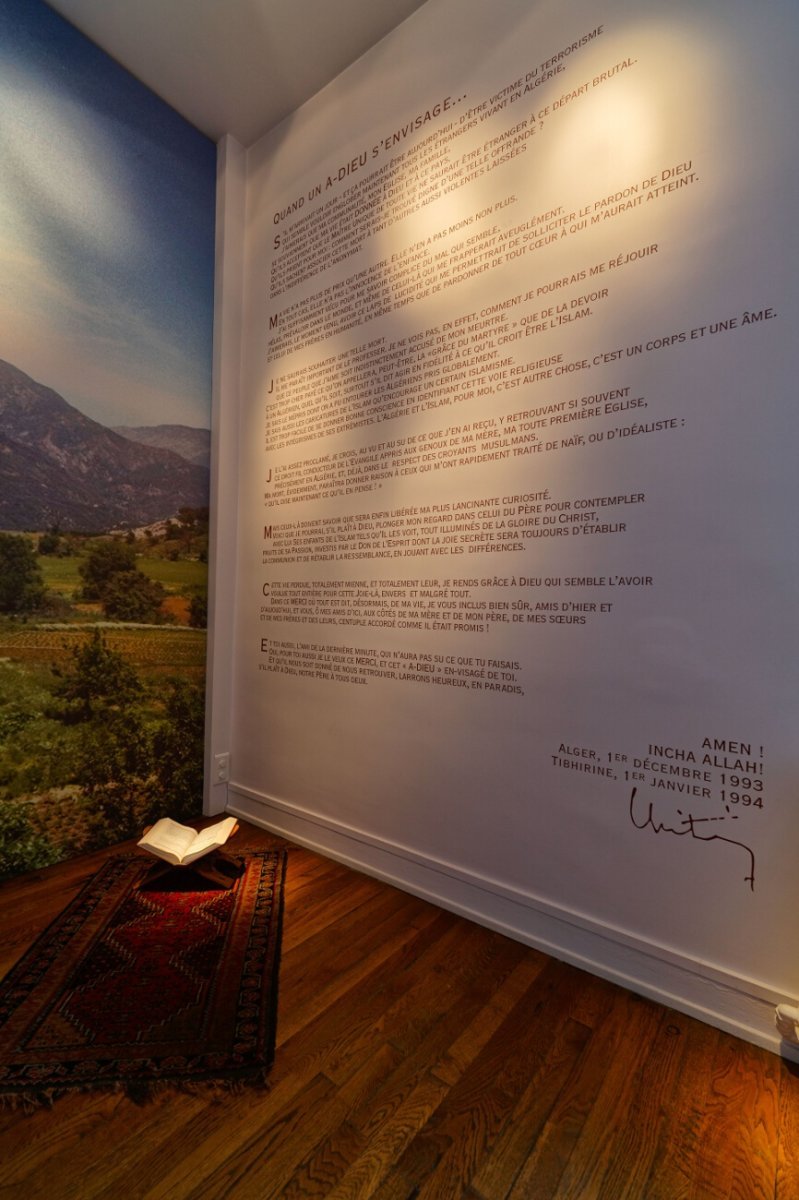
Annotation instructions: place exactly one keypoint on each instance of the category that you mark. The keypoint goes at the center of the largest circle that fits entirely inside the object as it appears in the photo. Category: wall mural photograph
(106, 262)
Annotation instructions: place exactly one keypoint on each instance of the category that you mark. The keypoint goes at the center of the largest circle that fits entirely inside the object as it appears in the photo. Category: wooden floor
(421, 1056)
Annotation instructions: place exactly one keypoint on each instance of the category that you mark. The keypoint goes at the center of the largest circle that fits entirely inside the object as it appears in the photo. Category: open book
(180, 845)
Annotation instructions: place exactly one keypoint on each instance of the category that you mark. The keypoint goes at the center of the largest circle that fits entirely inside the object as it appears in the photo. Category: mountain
(192, 444)
(59, 467)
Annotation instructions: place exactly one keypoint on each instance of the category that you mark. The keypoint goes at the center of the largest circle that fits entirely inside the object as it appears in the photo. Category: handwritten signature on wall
(643, 817)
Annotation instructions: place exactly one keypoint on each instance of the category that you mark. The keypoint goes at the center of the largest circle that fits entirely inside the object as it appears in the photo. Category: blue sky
(106, 230)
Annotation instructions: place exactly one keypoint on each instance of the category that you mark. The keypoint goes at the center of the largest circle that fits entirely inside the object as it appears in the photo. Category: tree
(50, 542)
(198, 610)
(99, 685)
(21, 585)
(101, 694)
(179, 749)
(21, 848)
(104, 560)
(131, 596)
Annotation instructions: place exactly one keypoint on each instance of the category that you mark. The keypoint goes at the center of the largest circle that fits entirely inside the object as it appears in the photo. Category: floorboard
(421, 1057)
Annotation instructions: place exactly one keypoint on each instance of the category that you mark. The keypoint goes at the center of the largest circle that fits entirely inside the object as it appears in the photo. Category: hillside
(59, 467)
(192, 444)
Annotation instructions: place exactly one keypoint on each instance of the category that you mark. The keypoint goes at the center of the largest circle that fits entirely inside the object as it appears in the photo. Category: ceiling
(235, 66)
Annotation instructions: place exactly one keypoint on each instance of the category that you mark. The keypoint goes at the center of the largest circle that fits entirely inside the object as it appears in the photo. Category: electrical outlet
(222, 763)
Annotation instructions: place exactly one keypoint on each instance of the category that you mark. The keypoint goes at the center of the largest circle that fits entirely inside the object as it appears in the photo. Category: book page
(210, 839)
(168, 839)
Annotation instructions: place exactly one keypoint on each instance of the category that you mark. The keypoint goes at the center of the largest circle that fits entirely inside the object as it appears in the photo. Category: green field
(182, 577)
(60, 574)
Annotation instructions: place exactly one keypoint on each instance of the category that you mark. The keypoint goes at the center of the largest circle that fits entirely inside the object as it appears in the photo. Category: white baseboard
(742, 1007)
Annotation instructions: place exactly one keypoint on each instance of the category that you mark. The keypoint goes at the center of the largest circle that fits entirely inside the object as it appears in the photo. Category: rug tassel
(27, 1104)
(137, 1092)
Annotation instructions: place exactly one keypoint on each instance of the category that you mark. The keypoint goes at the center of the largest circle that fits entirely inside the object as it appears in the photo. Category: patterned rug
(137, 988)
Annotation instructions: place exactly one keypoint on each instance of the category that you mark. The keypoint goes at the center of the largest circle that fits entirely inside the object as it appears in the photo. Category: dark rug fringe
(25, 1103)
(140, 1093)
